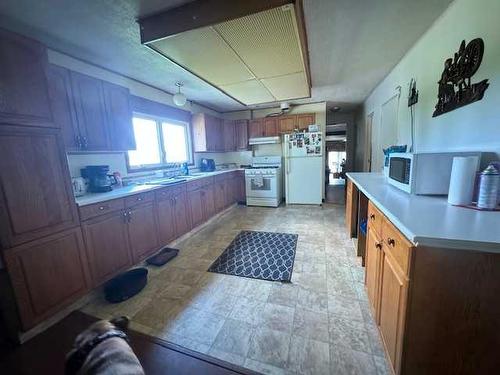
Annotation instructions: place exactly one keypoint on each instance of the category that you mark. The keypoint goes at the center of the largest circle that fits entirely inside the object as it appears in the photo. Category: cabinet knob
(129, 216)
(391, 241)
(102, 208)
(372, 216)
(378, 245)
(124, 214)
(139, 199)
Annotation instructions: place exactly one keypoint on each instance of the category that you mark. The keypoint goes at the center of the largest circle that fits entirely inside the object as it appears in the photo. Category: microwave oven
(423, 173)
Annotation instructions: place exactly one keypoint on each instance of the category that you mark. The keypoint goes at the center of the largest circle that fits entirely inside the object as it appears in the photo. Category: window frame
(159, 131)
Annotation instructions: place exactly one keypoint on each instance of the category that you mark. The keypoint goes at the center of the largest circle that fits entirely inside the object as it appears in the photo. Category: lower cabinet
(219, 195)
(47, 274)
(240, 187)
(107, 243)
(165, 208)
(373, 256)
(196, 206)
(181, 215)
(142, 231)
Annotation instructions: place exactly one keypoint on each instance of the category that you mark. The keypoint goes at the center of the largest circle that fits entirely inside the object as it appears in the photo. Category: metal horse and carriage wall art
(455, 87)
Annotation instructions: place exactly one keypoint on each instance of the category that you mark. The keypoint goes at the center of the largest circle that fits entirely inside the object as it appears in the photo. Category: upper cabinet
(23, 83)
(94, 115)
(270, 127)
(287, 124)
(256, 128)
(241, 134)
(207, 133)
(229, 136)
(88, 94)
(119, 116)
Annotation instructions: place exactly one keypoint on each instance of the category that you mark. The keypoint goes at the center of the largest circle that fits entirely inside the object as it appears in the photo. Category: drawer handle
(103, 208)
(391, 241)
(378, 245)
(139, 199)
(372, 216)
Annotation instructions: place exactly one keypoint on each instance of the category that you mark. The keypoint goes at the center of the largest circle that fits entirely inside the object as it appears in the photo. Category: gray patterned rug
(258, 255)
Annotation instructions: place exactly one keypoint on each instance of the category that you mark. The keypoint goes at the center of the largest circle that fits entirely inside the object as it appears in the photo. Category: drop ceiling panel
(286, 87)
(203, 52)
(249, 92)
(267, 42)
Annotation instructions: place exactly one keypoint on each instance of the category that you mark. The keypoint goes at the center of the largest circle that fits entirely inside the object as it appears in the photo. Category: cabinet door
(241, 188)
(270, 127)
(208, 202)
(24, 98)
(142, 231)
(166, 220)
(256, 128)
(119, 117)
(36, 197)
(196, 207)
(241, 128)
(182, 217)
(47, 275)
(287, 124)
(62, 104)
(108, 251)
(372, 275)
(351, 209)
(229, 136)
(304, 120)
(91, 112)
(219, 196)
(228, 192)
(214, 133)
(393, 292)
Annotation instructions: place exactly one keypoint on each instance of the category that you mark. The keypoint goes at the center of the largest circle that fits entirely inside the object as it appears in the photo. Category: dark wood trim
(198, 14)
(301, 25)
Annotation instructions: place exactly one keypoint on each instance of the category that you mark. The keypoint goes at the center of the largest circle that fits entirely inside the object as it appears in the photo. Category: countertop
(430, 220)
(125, 191)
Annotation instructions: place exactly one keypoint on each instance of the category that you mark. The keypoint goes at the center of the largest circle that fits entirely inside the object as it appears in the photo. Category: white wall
(473, 127)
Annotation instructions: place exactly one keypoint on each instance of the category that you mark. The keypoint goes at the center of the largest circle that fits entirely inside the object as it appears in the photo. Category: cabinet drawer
(375, 219)
(197, 184)
(397, 245)
(97, 209)
(139, 198)
(169, 192)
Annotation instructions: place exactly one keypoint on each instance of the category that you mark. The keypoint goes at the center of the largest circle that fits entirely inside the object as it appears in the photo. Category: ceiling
(353, 44)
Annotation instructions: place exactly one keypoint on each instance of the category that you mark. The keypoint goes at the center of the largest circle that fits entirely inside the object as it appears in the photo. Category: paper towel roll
(463, 172)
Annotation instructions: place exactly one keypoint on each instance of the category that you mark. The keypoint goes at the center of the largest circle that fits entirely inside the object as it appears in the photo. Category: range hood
(264, 140)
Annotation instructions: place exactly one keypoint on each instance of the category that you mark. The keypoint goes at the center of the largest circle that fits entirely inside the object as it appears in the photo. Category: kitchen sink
(164, 181)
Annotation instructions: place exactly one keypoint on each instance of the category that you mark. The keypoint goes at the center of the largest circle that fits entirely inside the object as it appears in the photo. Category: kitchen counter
(125, 191)
(430, 220)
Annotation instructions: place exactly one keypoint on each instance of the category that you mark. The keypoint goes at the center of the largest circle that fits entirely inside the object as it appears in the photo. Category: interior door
(142, 231)
(36, 195)
(368, 143)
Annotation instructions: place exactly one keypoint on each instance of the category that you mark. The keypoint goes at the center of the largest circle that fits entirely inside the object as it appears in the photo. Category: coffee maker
(99, 179)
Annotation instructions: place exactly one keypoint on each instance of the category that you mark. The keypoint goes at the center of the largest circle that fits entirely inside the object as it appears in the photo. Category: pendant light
(179, 98)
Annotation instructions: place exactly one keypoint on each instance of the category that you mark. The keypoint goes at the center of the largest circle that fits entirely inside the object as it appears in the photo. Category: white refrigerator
(303, 153)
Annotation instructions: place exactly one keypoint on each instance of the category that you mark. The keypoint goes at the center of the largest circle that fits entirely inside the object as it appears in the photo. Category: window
(159, 142)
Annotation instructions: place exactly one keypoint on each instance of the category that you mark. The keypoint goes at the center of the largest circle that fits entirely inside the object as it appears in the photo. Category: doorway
(336, 169)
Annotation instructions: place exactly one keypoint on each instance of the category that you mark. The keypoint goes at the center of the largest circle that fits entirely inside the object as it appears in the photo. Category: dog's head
(94, 330)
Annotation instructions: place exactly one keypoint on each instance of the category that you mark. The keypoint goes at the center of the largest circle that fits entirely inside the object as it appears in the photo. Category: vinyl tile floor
(320, 323)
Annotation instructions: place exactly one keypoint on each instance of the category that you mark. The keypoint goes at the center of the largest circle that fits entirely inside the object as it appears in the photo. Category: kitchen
(120, 153)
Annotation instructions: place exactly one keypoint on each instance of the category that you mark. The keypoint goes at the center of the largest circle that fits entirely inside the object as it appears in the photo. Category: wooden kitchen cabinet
(47, 275)
(24, 96)
(62, 104)
(351, 209)
(119, 117)
(182, 219)
(287, 124)
(229, 135)
(240, 187)
(270, 127)
(36, 197)
(142, 231)
(107, 243)
(196, 207)
(241, 134)
(219, 195)
(392, 310)
(208, 133)
(372, 274)
(256, 128)
(208, 201)
(91, 114)
(304, 120)
(166, 216)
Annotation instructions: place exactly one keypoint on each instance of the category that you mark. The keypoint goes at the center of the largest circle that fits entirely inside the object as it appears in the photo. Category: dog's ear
(120, 322)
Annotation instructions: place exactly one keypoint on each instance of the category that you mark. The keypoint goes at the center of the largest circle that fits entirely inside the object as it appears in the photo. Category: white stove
(263, 181)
